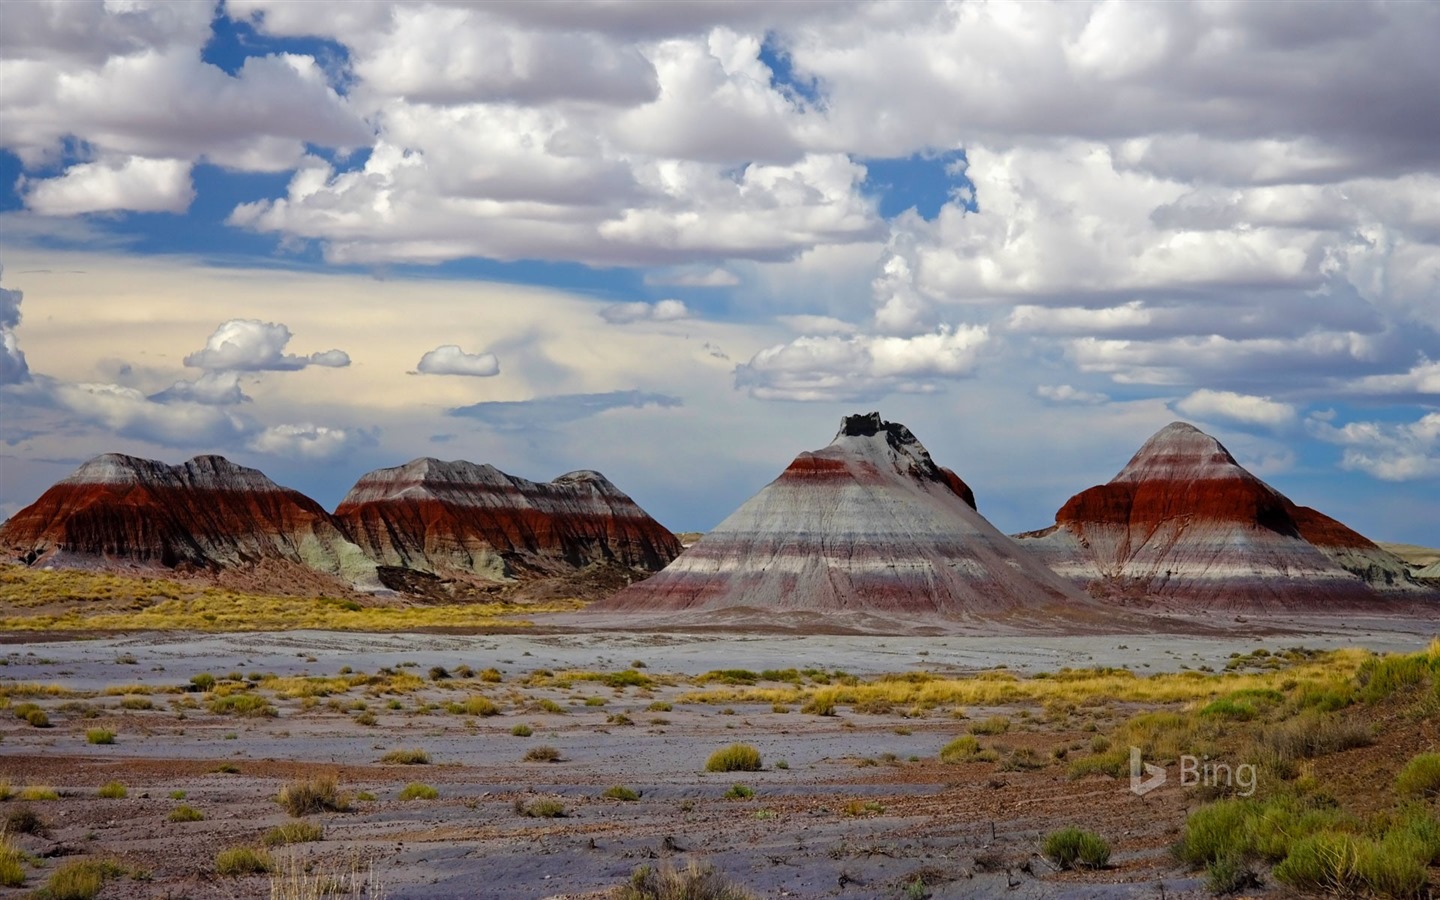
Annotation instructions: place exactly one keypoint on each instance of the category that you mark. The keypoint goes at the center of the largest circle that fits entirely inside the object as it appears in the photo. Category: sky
(677, 242)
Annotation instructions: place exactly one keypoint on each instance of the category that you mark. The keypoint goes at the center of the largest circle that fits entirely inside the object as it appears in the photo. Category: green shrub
(734, 758)
(439, 673)
(23, 820)
(543, 808)
(819, 705)
(660, 706)
(595, 701)
(248, 705)
(1230, 875)
(416, 790)
(620, 792)
(1074, 848)
(542, 753)
(12, 864)
(628, 678)
(1228, 708)
(203, 682)
(961, 749)
(695, 882)
(80, 879)
(739, 792)
(243, 861)
(297, 832)
(304, 797)
(1420, 777)
(186, 813)
(37, 718)
(413, 756)
(476, 705)
(992, 725)
(550, 706)
(522, 730)
(113, 790)
(38, 792)
(137, 703)
(100, 736)
(491, 676)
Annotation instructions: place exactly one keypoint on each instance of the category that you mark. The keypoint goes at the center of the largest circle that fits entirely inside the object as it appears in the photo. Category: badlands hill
(871, 525)
(1183, 521)
(207, 514)
(459, 518)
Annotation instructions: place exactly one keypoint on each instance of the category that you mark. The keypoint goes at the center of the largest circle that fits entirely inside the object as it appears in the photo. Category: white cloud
(251, 345)
(451, 360)
(128, 412)
(306, 441)
(1064, 394)
(1208, 405)
(693, 277)
(123, 183)
(838, 368)
(211, 388)
(1391, 452)
(661, 311)
(817, 324)
(13, 368)
(1423, 378)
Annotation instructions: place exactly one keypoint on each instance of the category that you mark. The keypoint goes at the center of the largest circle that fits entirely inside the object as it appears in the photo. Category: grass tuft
(100, 736)
(694, 882)
(1075, 848)
(412, 756)
(186, 813)
(243, 861)
(416, 790)
(1420, 777)
(113, 790)
(734, 758)
(543, 753)
(297, 832)
(302, 798)
(620, 792)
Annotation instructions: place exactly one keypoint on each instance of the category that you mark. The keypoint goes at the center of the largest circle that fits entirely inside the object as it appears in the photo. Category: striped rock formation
(1184, 521)
(205, 514)
(459, 518)
(869, 524)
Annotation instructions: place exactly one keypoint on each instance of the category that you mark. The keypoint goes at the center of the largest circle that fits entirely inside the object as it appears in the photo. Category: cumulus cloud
(628, 313)
(211, 389)
(1208, 405)
(1423, 378)
(13, 368)
(307, 441)
(542, 412)
(693, 277)
(129, 413)
(131, 183)
(1064, 394)
(451, 360)
(860, 366)
(1405, 451)
(250, 345)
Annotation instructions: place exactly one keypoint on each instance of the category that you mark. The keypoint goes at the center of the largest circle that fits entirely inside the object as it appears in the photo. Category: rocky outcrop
(459, 518)
(1184, 521)
(869, 524)
(205, 514)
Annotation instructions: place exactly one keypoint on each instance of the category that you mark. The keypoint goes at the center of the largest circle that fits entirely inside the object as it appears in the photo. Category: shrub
(439, 673)
(37, 718)
(628, 678)
(100, 736)
(543, 753)
(413, 756)
(1420, 777)
(12, 869)
(739, 792)
(136, 703)
(660, 706)
(301, 798)
(298, 832)
(415, 790)
(819, 705)
(1380, 677)
(491, 676)
(81, 879)
(249, 705)
(620, 792)
(734, 758)
(1227, 708)
(186, 813)
(961, 749)
(481, 706)
(203, 682)
(38, 792)
(992, 725)
(522, 730)
(595, 701)
(1230, 875)
(550, 706)
(695, 882)
(177, 795)
(1074, 848)
(243, 861)
(543, 808)
(24, 820)
(114, 790)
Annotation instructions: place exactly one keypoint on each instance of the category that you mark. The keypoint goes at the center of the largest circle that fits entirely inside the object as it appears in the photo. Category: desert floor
(852, 804)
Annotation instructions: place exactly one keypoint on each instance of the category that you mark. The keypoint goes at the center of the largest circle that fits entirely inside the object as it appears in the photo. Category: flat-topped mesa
(869, 524)
(207, 513)
(1184, 521)
(460, 518)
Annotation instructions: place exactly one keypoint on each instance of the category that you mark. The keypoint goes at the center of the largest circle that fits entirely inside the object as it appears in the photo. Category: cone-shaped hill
(869, 524)
(1183, 521)
(460, 518)
(205, 514)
